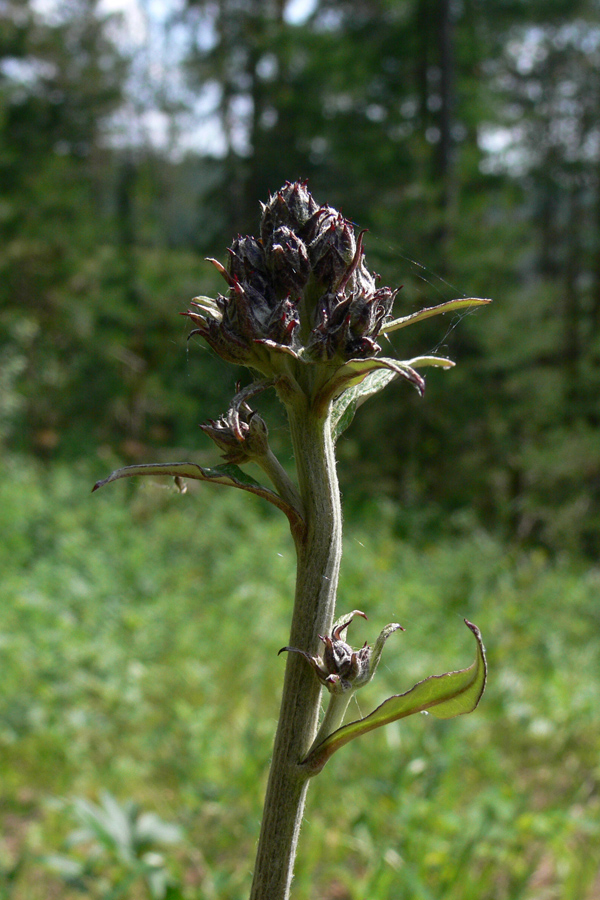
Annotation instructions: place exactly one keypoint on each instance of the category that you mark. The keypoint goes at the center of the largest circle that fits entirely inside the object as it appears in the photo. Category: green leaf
(444, 696)
(228, 475)
(379, 645)
(344, 408)
(428, 312)
(420, 361)
(67, 868)
(208, 305)
(355, 371)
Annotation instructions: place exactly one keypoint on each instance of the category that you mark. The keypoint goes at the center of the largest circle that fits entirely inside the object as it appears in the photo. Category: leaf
(108, 823)
(430, 311)
(420, 361)
(355, 371)
(208, 305)
(228, 475)
(379, 645)
(67, 868)
(444, 696)
(345, 406)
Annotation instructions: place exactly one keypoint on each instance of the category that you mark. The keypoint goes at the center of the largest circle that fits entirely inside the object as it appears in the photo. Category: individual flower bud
(347, 324)
(342, 669)
(333, 248)
(246, 258)
(291, 206)
(367, 314)
(217, 333)
(289, 261)
(329, 336)
(283, 325)
(241, 433)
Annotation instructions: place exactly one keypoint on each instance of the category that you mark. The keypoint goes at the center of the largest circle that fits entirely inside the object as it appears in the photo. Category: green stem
(334, 716)
(282, 482)
(318, 560)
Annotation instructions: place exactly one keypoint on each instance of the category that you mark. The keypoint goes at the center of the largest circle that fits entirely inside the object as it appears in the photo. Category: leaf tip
(473, 627)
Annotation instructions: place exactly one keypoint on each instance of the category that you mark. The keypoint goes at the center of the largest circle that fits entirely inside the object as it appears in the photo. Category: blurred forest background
(465, 135)
(137, 137)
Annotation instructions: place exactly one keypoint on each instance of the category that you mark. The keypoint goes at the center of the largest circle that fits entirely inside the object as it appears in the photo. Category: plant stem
(280, 479)
(334, 716)
(318, 561)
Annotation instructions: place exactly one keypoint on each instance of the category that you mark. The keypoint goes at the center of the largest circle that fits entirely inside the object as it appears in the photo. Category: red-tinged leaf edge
(444, 696)
(355, 371)
(346, 403)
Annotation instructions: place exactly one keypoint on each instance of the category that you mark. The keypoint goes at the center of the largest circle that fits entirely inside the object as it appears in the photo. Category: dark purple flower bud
(246, 257)
(333, 248)
(367, 314)
(283, 325)
(347, 325)
(340, 665)
(289, 261)
(248, 267)
(218, 335)
(291, 206)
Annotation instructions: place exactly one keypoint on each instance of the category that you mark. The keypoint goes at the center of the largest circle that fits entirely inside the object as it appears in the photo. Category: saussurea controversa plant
(303, 313)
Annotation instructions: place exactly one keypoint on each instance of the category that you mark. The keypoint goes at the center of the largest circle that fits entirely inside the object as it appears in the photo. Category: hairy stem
(318, 560)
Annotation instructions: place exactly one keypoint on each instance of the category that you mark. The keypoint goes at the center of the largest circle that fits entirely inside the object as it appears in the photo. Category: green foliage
(115, 846)
(135, 626)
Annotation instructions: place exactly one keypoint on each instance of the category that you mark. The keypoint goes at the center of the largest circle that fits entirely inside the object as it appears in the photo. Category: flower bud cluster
(301, 289)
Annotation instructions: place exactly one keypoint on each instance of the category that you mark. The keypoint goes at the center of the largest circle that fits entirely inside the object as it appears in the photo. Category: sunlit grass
(138, 644)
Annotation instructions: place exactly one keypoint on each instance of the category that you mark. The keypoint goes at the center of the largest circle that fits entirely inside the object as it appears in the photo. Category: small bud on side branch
(444, 696)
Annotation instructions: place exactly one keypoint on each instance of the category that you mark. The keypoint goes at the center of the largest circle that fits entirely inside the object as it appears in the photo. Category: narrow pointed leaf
(379, 645)
(356, 370)
(228, 475)
(428, 312)
(420, 361)
(444, 696)
(208, 305)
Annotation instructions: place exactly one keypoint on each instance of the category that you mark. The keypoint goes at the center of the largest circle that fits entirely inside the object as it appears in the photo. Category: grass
(138, 649)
